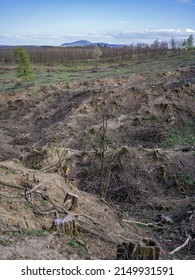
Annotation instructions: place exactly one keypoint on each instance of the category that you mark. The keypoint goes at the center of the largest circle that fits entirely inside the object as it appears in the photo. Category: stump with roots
(67, 225)
(70, 202)
(146, 250)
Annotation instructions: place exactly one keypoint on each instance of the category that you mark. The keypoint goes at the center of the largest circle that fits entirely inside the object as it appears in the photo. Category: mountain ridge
(84, 43)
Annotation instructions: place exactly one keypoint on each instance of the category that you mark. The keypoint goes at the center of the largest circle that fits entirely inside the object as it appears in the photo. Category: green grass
(33, 232)
(184, 135)
(4, 168)
(122, 224)
(171, 248)
(81, 250)
(84, 70)
(185, 179)
(5, 242)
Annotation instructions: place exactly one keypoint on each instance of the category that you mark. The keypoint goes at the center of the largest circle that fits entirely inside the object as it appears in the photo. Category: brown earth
(55, 138)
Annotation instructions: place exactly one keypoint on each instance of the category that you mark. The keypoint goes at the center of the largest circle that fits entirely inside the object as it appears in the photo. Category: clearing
(127, 130)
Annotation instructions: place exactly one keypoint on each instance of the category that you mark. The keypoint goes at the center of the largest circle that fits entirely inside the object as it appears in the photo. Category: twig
(104, 236)
(140, 223)
(90, 218)
(10, 185)
(11, 197)
(102, 153)
(33, 189)
(182, 246)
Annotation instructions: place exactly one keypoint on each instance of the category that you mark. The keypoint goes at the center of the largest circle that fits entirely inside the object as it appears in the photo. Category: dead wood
(4, 184)
(67, 225)
(103, 235)
(54, 167)
(33, 189)
(71, 202)
(182, 246)
(146, 250)
(142, 224)
(165, 219)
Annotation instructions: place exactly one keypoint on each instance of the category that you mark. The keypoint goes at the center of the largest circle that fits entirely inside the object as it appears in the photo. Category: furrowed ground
(122, 140)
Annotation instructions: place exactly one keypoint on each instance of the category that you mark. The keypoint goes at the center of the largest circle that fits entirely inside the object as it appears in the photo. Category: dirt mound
(27, 217)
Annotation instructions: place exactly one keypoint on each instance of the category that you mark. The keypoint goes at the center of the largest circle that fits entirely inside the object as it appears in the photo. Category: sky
(54, 22)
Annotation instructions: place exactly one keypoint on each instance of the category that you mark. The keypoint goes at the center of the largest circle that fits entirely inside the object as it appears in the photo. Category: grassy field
(84, 70)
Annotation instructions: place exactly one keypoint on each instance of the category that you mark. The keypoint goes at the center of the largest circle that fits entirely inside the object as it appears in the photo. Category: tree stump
(146, 250)
(67, 225)
(70, 202)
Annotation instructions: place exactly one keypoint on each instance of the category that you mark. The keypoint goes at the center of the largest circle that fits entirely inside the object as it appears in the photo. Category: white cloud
(123, 37)
(189, 30)
(122, 22)
(185, 1)
(148, 36)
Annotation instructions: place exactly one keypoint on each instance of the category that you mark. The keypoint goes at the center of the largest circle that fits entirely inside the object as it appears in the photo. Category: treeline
(62, 55)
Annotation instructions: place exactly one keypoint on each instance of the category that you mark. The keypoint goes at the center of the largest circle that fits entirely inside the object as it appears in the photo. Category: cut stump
(146, 250)
(71, 202)
(67, 225)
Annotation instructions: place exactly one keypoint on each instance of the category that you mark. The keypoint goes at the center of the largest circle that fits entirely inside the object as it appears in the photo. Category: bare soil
(149, 156)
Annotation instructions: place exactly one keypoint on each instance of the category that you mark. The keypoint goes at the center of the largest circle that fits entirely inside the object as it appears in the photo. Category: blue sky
(54, 22)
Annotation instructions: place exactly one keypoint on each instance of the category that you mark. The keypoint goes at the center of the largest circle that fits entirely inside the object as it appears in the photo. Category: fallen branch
(54, 166)
(182, 246)
(90, 218)
(142, 224)
(103, 236)
(10, 185)
(33, 189)
(11, 197)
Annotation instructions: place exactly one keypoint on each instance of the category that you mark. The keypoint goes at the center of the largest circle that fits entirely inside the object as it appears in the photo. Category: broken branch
(142, 224)
(182, 246)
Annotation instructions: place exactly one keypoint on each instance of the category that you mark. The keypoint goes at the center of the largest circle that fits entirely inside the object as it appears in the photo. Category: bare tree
(97, 53)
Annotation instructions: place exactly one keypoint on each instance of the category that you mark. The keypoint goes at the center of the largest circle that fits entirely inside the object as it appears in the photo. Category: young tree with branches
(24, 69)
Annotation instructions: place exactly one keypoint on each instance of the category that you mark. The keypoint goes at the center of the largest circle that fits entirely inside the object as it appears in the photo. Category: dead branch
(46, 212)
(11, 197)
(102, 152)
(90, 218)
(54, 166)
(106, 238)
(165, 219)
(142, 224)
(181, 246)
(33, 189)
(10, 185)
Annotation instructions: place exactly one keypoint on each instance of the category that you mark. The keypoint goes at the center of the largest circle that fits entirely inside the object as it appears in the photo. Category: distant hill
(84, 43)
(81, 43)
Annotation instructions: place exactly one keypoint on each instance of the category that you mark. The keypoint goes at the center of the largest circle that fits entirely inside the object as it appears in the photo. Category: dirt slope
(148, 161)
(26, 224)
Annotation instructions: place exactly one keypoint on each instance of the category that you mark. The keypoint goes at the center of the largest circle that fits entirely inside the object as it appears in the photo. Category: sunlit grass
(84, 70)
